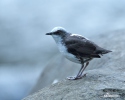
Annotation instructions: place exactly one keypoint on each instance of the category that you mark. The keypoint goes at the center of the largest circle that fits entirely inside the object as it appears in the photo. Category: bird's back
(80, 46)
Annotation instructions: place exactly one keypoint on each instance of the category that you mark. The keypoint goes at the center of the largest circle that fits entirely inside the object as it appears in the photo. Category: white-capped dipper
(76, 48)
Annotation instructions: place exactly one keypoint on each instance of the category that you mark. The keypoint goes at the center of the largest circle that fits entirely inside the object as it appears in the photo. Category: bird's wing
(81, 46)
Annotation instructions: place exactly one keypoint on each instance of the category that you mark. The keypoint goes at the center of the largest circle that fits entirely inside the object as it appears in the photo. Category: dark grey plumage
(83, 47)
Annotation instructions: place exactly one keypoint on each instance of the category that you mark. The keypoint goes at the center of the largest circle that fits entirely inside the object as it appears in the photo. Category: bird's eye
(57, 32)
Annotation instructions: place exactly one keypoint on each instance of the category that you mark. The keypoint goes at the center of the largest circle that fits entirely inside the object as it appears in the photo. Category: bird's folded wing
(81, 47)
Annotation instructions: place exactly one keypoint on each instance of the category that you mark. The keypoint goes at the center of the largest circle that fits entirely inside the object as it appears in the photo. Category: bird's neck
(57, 39)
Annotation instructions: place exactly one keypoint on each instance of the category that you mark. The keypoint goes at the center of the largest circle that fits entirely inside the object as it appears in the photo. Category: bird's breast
(63, 50)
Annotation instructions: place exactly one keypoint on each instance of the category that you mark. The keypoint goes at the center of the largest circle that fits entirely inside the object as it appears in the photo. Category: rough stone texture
(106, 81)
(57, 69)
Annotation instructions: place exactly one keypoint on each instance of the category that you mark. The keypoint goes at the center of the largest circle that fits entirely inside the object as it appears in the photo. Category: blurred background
(25, 50)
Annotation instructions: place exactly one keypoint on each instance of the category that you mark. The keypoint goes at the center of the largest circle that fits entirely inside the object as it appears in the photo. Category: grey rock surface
(57, 69)
(105, 79)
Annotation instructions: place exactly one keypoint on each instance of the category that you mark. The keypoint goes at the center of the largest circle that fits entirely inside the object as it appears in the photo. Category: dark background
(24, 47)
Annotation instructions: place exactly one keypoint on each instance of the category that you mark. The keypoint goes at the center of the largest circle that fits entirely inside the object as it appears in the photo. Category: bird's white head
(55, 29)
(57, 33)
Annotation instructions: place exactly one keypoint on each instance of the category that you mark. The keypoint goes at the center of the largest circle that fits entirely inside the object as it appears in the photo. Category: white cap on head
(57, 28)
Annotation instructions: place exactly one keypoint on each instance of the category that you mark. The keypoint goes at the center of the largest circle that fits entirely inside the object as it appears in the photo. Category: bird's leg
(80, 75)
(80, 70)
(87, 63)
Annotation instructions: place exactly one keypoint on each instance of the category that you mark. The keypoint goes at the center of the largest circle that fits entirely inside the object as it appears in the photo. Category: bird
(76, 48)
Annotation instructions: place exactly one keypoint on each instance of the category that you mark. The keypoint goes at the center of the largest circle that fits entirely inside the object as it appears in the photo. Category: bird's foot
(71, 78)
(76, 77)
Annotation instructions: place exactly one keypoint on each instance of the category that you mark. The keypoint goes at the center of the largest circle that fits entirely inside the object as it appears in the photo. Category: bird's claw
(76, 77)
(71, 78)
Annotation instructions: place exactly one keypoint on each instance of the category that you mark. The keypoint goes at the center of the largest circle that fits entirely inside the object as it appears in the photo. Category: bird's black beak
(49, 33)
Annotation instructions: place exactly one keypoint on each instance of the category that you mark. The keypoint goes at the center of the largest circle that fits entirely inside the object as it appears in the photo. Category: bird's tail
(105, 51)
(102, 51)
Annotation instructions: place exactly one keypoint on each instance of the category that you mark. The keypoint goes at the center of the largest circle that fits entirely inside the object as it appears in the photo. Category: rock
(105, 79)
(57, 69)
(95, 86)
